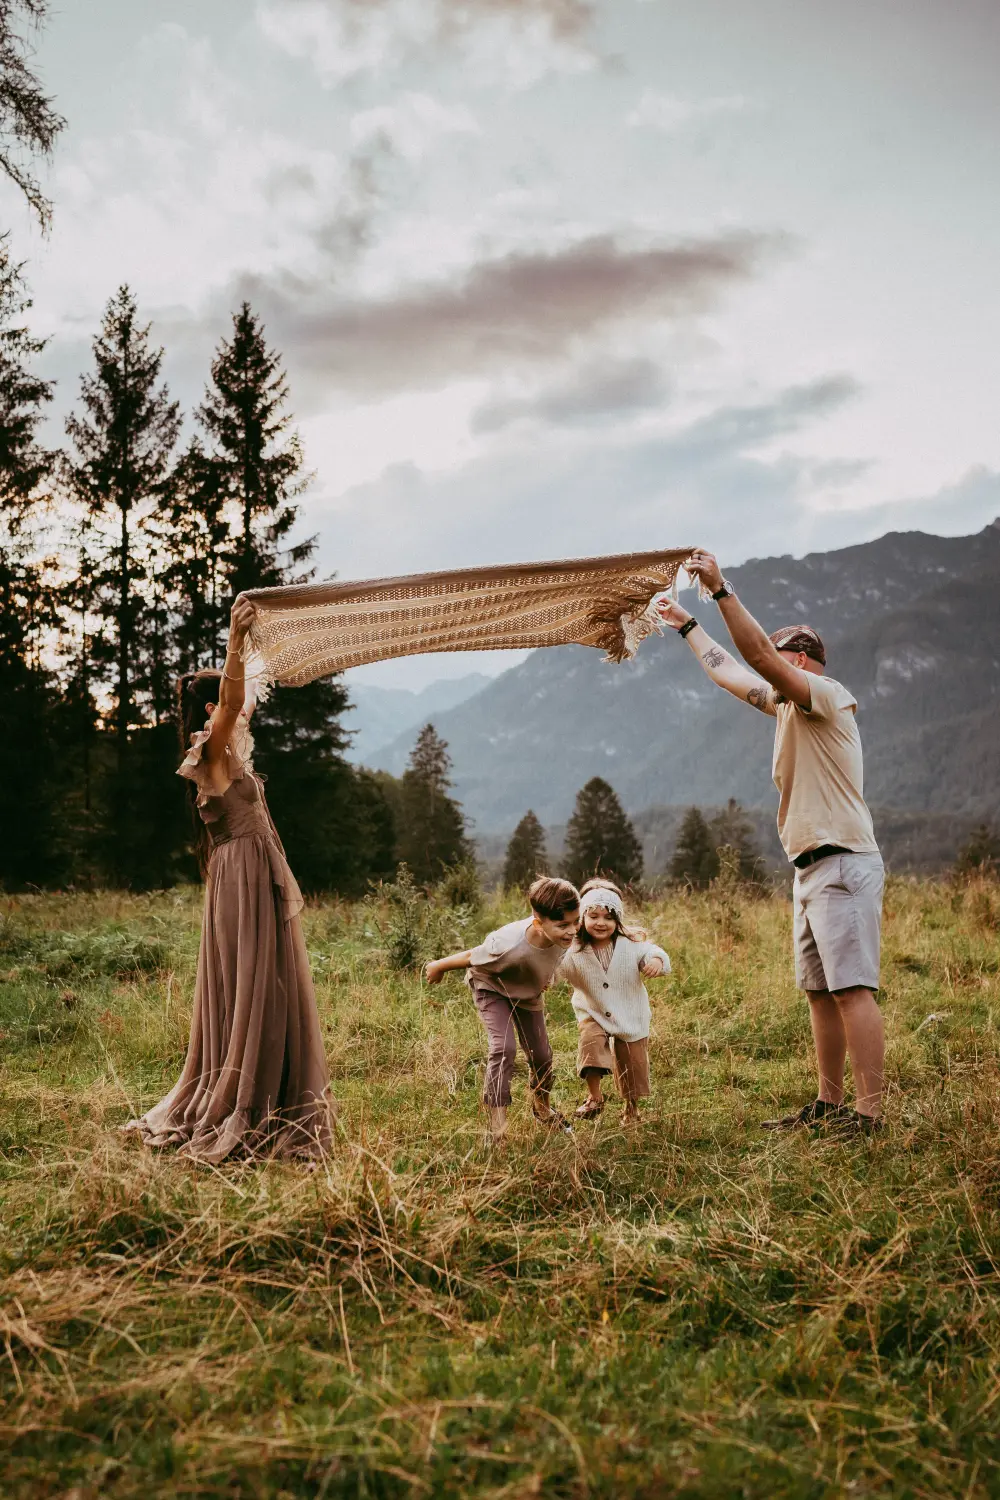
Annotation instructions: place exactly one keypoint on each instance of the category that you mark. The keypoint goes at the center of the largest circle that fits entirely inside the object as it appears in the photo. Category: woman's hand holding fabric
(241, 617)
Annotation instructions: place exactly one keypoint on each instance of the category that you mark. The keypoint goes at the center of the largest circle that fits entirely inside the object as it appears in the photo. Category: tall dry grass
(694, 1310)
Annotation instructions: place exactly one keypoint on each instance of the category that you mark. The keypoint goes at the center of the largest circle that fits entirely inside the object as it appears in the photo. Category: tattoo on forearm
(714, 657)
(758, 697)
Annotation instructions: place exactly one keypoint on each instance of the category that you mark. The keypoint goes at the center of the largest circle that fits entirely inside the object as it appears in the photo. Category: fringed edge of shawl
(620, 634)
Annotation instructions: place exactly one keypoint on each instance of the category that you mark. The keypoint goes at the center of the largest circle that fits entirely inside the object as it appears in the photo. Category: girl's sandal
(590, 1110)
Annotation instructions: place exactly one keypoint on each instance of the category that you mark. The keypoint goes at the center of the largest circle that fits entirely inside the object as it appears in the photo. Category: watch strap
(687, 627)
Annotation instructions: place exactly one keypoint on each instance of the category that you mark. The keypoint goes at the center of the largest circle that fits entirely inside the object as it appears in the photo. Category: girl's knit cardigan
(616, 1000)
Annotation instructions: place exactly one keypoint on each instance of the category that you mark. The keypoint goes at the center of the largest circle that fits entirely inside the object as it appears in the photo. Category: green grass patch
(693, 1309)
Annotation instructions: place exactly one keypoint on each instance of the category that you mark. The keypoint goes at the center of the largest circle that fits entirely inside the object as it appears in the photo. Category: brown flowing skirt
(255, 1081)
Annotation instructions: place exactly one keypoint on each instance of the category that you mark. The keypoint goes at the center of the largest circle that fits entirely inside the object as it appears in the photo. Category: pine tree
(254, 462)
(695, 862)
(235, 507)
(28, 703)
(84, 651)
(600, 839)
(981, 854)
(29, 124)
(526, 857)
(119, 473)
(430, 826)
(197, 540)
(732, 829)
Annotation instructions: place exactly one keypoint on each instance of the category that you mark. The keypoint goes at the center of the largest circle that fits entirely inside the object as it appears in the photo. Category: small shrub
(727, 910)
(112, 952)
(404, 924)
(461, 886)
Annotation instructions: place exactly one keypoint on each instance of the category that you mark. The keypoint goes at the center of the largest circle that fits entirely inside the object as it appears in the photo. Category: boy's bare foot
(590, 1110)
(497, 1124)
(631, 1117)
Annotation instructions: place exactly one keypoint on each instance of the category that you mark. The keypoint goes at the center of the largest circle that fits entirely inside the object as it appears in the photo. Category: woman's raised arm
(232, 693)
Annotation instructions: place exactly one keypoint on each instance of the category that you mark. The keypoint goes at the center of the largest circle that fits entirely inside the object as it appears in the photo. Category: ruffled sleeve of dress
(194, 767)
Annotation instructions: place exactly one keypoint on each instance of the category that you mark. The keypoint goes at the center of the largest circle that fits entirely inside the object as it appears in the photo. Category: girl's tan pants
(601, 1053)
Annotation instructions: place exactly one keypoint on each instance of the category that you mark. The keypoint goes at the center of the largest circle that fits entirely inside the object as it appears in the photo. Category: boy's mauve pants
(504, 1023)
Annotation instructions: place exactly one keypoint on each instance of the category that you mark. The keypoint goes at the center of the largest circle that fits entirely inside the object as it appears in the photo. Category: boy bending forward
(508, 973)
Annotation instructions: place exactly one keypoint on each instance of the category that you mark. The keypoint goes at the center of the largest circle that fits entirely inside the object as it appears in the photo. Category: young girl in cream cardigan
(605, 966)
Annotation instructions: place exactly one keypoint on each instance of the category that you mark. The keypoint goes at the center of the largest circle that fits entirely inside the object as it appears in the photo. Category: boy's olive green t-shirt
(818, 770)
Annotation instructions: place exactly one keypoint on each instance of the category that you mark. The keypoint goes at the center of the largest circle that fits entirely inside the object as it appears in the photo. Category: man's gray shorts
(838, 922)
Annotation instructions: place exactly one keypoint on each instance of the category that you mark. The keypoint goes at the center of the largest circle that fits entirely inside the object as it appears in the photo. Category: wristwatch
(726, 592)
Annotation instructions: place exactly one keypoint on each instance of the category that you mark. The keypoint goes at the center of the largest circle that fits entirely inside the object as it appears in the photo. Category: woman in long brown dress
(255, 1081)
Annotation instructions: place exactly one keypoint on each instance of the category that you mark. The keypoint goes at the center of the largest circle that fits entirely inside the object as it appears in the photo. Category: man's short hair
(553, 898)
(800, 638)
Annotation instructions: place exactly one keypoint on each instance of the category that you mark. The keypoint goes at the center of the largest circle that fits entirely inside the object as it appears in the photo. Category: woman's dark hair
(583, 937)
(195, 690)
(553, 899)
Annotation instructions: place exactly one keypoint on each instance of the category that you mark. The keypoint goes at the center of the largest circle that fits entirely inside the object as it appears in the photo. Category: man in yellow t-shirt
(825, 829)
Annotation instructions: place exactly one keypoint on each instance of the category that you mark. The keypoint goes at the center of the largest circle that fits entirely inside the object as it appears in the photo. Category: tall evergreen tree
(235, 507)
(28, 852)
(84, 652)
(695, 861)
(254, 461)
(981, 854)
(29, 123)
(600, 839)
(198, 543)
(430, 830)
(526, 857)
(119, 471)
(732, 829)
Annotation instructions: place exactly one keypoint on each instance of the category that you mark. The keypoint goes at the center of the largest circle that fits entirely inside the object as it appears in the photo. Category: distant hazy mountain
(379, 715)
(912, 626)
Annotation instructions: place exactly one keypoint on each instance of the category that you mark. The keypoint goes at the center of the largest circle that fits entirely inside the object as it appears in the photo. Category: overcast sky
(554, 277)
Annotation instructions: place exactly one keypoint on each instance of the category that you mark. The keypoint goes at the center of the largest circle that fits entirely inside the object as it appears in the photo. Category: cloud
(600, 392)
(588, 490)
(524, 307)
(519, 41)
(740, 429)
(957, 509)
(669, 113)
(412, 123)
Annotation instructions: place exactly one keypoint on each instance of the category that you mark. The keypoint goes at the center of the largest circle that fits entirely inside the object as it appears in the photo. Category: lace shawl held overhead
(307, 630)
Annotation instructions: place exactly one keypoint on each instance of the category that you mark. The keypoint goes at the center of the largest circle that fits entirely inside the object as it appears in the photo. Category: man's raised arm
(724, 670)
(783, 672)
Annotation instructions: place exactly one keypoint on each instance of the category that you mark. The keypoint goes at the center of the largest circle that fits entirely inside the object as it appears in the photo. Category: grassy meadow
(692, 1309)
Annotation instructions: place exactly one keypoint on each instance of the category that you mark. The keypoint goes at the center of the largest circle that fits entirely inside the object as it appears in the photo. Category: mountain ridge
(379, 715)
(911, 622)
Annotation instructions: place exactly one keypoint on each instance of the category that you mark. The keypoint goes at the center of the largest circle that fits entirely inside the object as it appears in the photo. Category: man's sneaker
(854, 1125)
(811, 1116)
